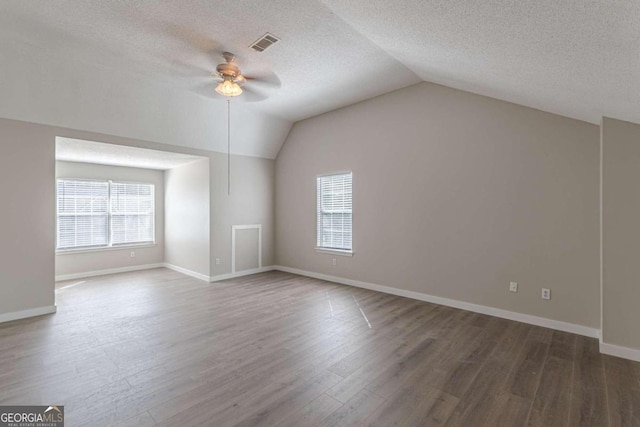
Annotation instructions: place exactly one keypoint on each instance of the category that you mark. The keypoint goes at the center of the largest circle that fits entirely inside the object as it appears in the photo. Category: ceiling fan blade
(207, 89)
(202, 55)
(190, 70)
(200, 42)
(266, 80)
(250, 94)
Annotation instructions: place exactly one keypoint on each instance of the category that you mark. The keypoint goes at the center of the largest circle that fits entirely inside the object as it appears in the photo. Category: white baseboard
(619, 351)
(96, 273)
(187, 272)
(240, 273)
(476, 308)
(23, 314)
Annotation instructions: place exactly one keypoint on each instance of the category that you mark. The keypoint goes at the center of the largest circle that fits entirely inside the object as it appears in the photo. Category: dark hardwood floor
(159, 348)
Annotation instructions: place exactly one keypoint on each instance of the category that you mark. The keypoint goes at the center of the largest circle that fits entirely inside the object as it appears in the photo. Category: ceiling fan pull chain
(228, 146)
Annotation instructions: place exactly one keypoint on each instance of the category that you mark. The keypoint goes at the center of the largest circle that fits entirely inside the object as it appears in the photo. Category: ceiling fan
(233, 83)
(231, 77)
(230, 81)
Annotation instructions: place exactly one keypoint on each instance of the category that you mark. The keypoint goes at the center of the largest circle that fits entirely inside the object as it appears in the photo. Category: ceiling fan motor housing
(230, 70)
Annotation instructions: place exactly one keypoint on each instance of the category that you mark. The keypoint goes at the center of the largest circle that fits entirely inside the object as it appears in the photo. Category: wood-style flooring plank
(415, 403)
(623, 391)
(554, 394)
(156, 347)
(354, 411)
(313, 413)
(589, 392)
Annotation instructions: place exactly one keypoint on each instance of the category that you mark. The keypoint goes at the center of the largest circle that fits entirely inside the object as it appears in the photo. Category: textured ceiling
(576, 58)
(76, 150)
(320, 64)
(572, 57)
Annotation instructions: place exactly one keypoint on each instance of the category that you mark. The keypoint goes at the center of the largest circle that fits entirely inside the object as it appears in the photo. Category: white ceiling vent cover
(264, 42)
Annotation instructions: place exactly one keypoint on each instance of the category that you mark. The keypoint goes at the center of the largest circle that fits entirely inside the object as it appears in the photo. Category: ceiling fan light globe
(228, 88)
(237, 90)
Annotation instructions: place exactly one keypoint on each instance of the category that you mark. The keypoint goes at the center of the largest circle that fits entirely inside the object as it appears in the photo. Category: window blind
(335, 211)
(131, 213)
(93, 214)
(83, 217)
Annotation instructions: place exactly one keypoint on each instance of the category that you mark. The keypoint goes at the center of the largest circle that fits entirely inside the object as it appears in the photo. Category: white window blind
(93, 214)
(83, 214)
(335, 211)
(131, 213)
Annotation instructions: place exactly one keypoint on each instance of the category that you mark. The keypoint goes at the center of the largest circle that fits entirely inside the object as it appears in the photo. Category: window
(335, 212)
(83, 214)
(99, 214)
(131, 213)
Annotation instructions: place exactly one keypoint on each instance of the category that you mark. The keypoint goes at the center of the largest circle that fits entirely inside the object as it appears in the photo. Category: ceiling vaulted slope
(576, 58)
(141, 69)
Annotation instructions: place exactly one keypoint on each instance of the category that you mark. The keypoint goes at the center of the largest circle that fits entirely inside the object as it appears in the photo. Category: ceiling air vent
(264, 42)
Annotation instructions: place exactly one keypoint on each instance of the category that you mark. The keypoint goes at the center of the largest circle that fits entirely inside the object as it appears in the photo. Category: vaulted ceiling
(142, 69)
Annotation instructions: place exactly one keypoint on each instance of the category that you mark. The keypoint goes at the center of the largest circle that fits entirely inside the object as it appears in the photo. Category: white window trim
(333, 251)
(111, 246)
(340, 252)
(104, 248)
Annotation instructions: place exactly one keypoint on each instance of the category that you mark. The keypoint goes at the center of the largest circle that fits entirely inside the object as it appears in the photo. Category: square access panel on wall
(246, 247)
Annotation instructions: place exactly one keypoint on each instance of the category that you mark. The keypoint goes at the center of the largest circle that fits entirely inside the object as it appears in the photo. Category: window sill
(103, 249)
(334, 251)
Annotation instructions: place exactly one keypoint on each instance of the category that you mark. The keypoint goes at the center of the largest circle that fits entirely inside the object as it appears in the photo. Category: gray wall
(251, 202)
(455, 195)
(87, 261)
(187, 219)
(621, 233)
(27, 185)
(27, 249)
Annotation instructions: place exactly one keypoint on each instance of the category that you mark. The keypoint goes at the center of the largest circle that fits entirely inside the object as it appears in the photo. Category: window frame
(110, 246)
(334, 251)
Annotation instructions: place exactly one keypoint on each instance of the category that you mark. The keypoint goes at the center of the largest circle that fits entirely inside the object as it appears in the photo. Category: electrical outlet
(217, 261)
(513, 286)
(133, 254)
(546, 293)
(334, 261)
